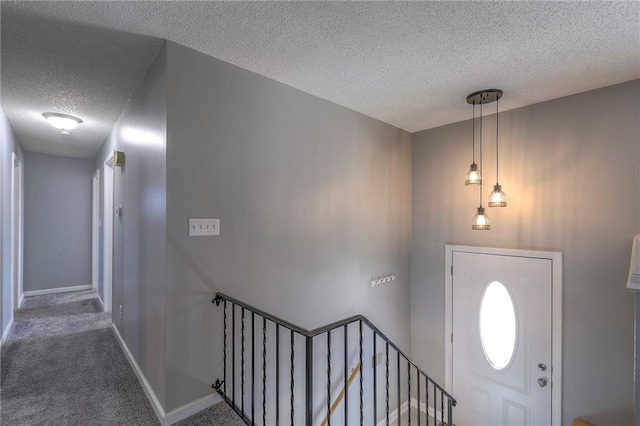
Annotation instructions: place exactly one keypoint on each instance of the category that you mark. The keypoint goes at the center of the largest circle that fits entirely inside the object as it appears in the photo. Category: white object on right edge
(633, 283)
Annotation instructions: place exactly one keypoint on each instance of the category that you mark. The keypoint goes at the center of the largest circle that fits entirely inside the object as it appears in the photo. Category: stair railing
(417, 390)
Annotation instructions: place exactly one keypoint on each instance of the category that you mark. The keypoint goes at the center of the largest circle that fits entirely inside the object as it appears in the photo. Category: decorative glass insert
(498, 325)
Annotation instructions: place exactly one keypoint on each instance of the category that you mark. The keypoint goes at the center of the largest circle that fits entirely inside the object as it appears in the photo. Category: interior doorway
(503, 328)
(16, 231)
(107, 229)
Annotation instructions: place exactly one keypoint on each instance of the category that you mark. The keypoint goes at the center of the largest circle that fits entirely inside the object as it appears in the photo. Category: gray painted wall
(9, 144)
(57, 221)
(314, 201)
(139, 281)
(570, 171)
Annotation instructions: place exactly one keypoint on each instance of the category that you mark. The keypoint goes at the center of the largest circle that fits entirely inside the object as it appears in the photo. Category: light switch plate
(204, 227)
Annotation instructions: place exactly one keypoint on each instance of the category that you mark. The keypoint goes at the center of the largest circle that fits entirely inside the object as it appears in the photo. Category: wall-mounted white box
(204, 227)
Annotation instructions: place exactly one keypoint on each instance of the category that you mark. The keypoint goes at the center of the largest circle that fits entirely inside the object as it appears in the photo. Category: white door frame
(556, 308)
(16, 232)
(107, 229)
(95, 229)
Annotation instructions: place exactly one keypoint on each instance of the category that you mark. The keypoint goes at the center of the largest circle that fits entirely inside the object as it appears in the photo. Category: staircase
(345, 373)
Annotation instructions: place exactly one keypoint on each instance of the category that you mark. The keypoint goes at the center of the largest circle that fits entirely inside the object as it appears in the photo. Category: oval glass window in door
(498, 325)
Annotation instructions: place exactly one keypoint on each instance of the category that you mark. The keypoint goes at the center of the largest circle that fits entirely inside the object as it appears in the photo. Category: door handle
(542, 367)
(542, 382)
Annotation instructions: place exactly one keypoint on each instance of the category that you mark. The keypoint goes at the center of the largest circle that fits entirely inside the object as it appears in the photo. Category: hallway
(61, 365)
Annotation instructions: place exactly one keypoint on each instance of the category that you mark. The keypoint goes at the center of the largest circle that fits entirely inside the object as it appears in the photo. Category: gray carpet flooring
(61, 365)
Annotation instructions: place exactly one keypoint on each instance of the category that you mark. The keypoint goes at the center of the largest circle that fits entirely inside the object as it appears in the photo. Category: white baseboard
(20, 300)
(179, 413)
(100, 301)
(436, 414)
(57, 290)
(393, 415)
(192, 408)
(6, 331)
(153, 399)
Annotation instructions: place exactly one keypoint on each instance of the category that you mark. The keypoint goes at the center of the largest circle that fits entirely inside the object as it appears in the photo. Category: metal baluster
(375, 379)
(441, 407)
(224, 351)
(292, 382)
(242, 362)
(346, 379)
(387, 362)
(309, 380)
(264, 371)
(277, 374)
(435, 403)
(426, 396)
(449, 412)
(409, 391)
(253, 367)
(329, 378)
(398, 382)
(418, 383)
(233, 354)
(361, 380)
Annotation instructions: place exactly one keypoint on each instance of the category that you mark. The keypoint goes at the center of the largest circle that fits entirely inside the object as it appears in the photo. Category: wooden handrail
(340, 397)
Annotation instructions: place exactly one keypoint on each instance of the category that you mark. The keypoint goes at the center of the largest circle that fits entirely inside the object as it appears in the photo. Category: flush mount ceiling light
(62, 122)
(497, 197)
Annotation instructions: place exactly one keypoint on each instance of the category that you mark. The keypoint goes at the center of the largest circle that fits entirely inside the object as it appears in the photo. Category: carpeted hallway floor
(61, 365)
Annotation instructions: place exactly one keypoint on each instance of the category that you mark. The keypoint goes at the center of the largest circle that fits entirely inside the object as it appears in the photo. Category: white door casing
(107, 229)
(95, 230)
(16, 231)
(511, 394)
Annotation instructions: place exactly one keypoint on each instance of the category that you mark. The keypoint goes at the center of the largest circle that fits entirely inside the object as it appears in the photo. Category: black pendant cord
(481, 166)
(473, 133)
(497, 127)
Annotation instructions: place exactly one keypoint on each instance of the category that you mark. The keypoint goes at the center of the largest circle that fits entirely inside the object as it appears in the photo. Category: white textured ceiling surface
(410, 64)
(85, 71)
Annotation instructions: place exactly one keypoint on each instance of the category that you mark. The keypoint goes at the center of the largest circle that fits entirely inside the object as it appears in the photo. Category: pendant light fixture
(474, 176)
(481, 220)
(497, 197)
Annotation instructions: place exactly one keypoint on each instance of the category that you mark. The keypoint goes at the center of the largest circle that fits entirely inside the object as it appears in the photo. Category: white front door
(502, 339)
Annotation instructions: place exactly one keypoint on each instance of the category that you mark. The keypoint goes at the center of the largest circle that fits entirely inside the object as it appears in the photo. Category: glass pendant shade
(497, 197)
(474, 177)
(481, 221)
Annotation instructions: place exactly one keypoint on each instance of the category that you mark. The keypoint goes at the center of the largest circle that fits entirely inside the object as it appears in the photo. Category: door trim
(95, 230)
(107, 233)
(16, 234)
(556, 314)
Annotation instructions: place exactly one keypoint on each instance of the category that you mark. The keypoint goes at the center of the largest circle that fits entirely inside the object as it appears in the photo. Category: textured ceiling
(75, 69)
(409, 64)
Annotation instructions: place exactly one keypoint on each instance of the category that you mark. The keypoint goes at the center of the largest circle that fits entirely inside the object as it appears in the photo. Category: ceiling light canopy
(62, 122)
